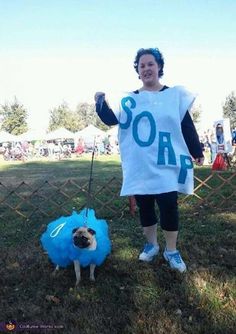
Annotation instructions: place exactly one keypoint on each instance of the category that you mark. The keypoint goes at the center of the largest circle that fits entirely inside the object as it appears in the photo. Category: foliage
(87, 115)
(229, 109)
(84, 115)
(13, 116)
(62, 116)
(196, 112)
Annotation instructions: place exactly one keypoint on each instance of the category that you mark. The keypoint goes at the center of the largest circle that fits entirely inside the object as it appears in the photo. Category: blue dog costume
(57, 240)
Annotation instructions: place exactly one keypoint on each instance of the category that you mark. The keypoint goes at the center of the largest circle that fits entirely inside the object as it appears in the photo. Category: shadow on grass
(49, 188)
(36, 171)
(128, 296)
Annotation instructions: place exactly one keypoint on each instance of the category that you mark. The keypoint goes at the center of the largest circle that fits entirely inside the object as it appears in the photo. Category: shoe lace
(147, 248)
(177, 257)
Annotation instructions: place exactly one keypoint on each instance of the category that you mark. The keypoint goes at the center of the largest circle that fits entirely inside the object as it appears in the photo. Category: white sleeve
(186, 99)
(114, 101)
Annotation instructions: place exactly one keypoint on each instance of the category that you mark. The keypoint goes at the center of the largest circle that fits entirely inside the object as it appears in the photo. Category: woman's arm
(191, 137)
(104, 112)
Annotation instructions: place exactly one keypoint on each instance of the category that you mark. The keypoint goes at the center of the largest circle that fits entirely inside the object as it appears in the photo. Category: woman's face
(148, 70)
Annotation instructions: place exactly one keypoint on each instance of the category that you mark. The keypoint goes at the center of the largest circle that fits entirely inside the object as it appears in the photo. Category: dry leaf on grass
(53, 299)
(13, 265)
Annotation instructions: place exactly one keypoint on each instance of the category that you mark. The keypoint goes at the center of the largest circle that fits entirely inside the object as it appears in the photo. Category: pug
(84, 237)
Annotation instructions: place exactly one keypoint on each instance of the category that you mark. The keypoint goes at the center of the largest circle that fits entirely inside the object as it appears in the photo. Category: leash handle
(99, 100)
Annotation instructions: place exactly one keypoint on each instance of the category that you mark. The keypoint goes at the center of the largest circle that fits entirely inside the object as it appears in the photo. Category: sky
(55, 51)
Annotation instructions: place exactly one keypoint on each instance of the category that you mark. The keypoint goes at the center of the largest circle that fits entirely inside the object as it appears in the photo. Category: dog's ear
(90, 230)
(74, 230)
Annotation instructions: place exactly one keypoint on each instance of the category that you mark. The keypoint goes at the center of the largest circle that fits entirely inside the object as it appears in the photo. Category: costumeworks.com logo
(12, 326)
(9, 326)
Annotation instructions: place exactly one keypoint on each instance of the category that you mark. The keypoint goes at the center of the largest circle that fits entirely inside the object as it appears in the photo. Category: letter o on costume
(152, 135)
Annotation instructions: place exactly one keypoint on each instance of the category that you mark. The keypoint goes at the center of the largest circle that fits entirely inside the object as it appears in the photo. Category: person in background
(234, 136)
(220, 133)
(107, 144)
(157, 140)
(80, 148)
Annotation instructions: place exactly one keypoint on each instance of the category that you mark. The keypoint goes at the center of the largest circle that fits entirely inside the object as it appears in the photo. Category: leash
(89, 199)
(100, 101)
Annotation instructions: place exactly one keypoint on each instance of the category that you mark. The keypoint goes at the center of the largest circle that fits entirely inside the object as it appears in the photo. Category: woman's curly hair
(156, 54)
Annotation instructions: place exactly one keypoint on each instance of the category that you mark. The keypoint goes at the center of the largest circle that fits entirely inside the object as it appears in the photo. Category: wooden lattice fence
(52, 199)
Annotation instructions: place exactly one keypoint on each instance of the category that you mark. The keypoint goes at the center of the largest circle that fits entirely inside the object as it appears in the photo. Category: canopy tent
(90, 131)
(113, 131)
(7, 137)
(61, 133)
(32, 135)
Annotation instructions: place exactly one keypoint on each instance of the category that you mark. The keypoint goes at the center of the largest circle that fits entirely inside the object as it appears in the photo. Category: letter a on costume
(165, 144)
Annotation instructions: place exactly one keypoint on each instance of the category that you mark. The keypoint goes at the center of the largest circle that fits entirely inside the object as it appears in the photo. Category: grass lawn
(128, 297)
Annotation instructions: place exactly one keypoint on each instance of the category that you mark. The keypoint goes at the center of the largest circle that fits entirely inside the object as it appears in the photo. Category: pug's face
(83, 237)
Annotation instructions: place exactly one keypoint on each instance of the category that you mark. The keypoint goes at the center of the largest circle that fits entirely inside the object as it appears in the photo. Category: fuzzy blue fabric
(57, 240)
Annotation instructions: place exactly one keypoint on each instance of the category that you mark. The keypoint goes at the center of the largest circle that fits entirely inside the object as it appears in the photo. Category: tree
(229, 109)
(62, 116)
(83, 116)
(13, 117)
(87, 115)
(196, 111)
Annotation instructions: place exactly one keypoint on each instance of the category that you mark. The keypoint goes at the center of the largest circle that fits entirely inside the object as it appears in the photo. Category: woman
(157, 140)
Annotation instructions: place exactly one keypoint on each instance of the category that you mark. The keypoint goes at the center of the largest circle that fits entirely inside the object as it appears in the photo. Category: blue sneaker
(175, 261)
(149, 252)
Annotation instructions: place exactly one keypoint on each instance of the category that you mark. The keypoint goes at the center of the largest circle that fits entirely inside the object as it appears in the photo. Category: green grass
(128, 297)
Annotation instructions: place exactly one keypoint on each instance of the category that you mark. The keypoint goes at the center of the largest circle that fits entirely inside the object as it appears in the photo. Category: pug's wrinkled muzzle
(81, 241)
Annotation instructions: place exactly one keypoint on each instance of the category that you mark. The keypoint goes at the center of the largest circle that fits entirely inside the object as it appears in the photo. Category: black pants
(168, 208)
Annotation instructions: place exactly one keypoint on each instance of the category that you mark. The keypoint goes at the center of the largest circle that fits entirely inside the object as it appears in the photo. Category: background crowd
(58, 148)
